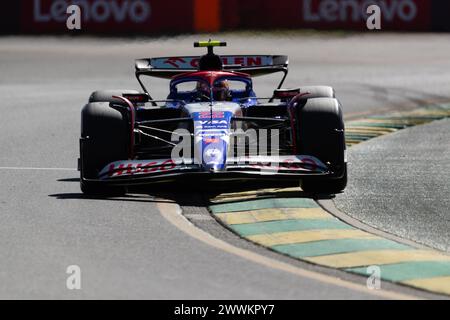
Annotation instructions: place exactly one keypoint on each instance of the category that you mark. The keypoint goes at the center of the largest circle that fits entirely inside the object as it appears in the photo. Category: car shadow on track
(69, 180)
(249, 192)
(183, 194)
(193, 194)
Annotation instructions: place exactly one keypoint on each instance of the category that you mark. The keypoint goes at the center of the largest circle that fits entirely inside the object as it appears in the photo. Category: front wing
(137, 172)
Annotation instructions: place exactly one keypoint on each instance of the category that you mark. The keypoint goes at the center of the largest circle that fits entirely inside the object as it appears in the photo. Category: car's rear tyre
(310, 92)
(104, 139)
(320, 133)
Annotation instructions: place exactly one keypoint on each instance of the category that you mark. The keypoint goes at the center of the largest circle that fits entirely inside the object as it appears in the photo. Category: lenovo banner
(159, 17)
(325, 14)
(109, 16)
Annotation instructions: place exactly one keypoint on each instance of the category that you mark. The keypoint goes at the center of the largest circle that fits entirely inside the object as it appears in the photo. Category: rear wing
(169, 67)
(254, 65)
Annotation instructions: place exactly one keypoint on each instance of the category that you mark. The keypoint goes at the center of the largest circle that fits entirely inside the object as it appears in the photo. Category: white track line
(38, 169)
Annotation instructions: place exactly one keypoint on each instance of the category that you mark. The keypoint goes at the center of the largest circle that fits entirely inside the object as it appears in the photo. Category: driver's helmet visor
(203, 87)
(220, 90)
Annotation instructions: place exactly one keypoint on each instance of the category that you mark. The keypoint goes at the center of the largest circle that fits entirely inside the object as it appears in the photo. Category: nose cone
(214, 156)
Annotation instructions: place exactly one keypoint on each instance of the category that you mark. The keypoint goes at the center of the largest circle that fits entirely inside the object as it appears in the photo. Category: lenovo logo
(99, 11)
(355, 10)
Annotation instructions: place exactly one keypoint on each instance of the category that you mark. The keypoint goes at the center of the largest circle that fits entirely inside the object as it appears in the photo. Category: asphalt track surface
(125, 247)
(411, 196)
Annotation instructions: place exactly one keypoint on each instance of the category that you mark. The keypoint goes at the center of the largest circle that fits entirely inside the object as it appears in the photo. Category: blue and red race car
(212, 125)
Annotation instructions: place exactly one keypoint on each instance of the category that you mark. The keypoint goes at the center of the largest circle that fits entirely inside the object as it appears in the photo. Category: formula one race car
(212, 126)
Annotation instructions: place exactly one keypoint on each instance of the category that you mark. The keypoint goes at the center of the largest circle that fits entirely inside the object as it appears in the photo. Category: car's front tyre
(331, 186)
(104, 139)
(320, 133)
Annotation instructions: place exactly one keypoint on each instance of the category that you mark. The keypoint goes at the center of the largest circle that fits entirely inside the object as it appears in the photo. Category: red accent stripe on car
(291, 106)
(132, 119)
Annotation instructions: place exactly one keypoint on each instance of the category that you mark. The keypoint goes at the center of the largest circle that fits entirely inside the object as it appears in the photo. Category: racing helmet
(202, 89)
(221, 91)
